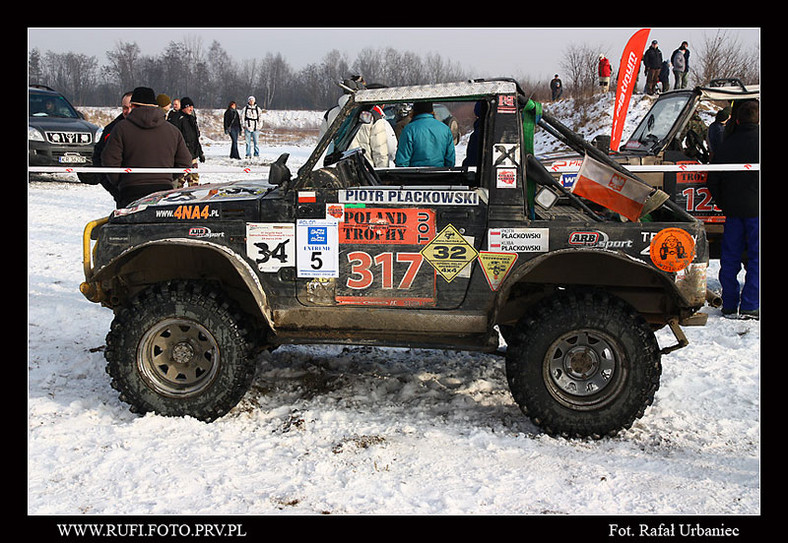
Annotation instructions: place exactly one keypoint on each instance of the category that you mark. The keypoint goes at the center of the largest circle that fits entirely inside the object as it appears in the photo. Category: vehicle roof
(732, 92)
(438, 91)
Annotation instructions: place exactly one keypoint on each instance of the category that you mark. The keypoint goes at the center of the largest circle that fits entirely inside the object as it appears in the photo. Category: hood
(147, 116)
(221, 195)
(59, 124)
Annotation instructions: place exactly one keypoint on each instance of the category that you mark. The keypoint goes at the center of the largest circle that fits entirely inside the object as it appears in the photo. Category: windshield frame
(662, 122)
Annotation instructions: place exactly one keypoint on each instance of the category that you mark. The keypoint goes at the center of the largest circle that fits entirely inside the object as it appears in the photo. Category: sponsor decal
(627, 75)
(507, 103)
(449, 253)
(407, 226)
(317, 250)
(496, 266)
(335, 212)
(194, 212)
(672, 249)
(506, 154)
(408, 196)
(594, 238)
(204, 232)
(519, 240)
(506, 178)
(270, 245)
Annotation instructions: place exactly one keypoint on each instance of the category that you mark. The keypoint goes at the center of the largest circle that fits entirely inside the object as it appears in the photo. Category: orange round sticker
(672, 249)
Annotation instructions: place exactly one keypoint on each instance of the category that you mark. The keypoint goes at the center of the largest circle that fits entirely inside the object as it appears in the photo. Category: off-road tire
(583, 364)
(180, 349)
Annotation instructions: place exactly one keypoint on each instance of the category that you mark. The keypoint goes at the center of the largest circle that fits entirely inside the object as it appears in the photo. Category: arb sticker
(672, 249)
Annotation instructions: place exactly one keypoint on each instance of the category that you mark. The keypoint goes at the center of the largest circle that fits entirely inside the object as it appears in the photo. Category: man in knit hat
(144, 140)
(186, 121)
(164, 103)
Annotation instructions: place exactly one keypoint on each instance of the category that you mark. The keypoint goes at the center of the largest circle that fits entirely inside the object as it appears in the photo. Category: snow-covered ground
(364, 431)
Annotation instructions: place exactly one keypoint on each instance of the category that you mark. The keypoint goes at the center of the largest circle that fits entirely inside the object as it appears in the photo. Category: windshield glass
(50, 105)
(656, 125)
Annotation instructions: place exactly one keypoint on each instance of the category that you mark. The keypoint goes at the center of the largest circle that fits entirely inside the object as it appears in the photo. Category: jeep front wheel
(179, 349)
(583, 364)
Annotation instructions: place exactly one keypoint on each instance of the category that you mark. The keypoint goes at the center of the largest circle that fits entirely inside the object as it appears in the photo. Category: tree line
(211, 78)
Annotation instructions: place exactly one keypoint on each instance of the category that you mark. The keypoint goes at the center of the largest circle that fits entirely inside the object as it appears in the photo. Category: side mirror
(279, 173)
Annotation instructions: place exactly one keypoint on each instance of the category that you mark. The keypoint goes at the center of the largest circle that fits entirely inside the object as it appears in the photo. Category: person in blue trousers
(737, 193)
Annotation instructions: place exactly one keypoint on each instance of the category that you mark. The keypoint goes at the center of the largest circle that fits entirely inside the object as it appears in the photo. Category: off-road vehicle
(200, 279)
(57, 134)
(670, 134)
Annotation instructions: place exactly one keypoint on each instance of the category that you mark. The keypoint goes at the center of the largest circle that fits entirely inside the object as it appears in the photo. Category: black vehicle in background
(58, 134)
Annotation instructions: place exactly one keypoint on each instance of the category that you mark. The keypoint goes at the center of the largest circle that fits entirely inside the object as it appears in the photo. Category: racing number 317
(362, 276)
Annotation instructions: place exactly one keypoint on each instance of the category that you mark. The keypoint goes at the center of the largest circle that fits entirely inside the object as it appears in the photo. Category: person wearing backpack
(251, 118)
(679, 61)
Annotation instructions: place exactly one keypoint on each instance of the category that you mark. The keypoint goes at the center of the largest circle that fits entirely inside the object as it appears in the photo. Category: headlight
(97, 137)
(33, 134)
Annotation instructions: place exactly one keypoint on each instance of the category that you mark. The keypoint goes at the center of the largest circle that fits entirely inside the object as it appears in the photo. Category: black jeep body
(202, 278)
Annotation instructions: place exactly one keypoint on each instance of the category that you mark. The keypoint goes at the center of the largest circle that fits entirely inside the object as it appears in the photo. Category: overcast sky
(482, 51)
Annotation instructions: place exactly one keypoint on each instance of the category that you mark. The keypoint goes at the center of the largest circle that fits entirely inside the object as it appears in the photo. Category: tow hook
(679, 335)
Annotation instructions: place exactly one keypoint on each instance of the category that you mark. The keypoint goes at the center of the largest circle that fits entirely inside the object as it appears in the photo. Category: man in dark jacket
(652, 63)
(737, 193)
(102, 178)
(232, 127)
(186, 121)
(144, 140)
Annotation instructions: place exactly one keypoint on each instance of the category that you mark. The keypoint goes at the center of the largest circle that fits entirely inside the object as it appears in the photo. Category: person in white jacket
(251, 120)
(376, 137)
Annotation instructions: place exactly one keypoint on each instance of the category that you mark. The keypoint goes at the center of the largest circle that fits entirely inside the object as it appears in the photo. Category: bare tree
(723, 56)
(123, 64)
(275, 72)
(579, 67)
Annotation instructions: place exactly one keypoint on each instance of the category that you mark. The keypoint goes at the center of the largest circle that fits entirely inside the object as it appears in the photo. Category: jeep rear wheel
(179, 349)
(583, 364)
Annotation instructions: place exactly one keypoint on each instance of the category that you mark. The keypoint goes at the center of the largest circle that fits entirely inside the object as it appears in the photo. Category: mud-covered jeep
(201, 279)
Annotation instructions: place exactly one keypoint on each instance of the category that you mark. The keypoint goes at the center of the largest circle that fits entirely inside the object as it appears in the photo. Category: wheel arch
(163, 260)
(650, 292)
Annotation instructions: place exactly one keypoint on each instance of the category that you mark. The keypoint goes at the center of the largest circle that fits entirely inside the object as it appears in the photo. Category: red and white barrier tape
(93, 169)
(557, 168)
(566, 168)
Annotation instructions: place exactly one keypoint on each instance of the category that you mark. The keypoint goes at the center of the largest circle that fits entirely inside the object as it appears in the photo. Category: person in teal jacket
(425, 141)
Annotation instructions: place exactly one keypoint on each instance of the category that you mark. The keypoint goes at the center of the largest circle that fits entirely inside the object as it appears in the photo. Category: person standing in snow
(103, 178)
(717, 130)
(652, 63)
(232, 127)
(556, 88)
(604, 71)
(252, 119)
(176, 107)
(737, 193)
(144, 139)
(186, 122)
(680, 61)
(664, 76)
